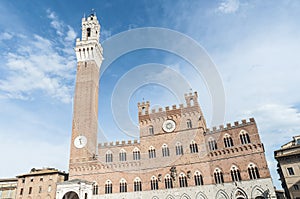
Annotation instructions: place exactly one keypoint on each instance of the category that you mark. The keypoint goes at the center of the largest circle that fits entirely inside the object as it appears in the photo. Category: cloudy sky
(254, 46)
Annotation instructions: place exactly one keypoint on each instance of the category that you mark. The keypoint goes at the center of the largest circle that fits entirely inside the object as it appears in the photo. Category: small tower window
(88, 30)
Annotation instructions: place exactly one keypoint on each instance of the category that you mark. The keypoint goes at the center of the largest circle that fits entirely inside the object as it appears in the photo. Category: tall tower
(85, 114)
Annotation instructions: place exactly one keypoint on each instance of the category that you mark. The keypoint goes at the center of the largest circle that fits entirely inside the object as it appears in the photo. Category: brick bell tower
(85, 114)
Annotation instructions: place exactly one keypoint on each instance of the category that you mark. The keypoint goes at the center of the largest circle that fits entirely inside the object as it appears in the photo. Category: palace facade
(176, 156)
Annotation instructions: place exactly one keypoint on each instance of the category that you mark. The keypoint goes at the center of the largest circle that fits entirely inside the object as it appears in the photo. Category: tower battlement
(228, 126)
(118, 143)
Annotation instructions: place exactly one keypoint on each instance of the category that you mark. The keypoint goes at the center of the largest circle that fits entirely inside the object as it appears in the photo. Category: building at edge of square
(177, 156)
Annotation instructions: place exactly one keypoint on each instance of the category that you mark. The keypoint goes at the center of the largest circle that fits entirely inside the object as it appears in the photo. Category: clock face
(169, 126)
(80, 141)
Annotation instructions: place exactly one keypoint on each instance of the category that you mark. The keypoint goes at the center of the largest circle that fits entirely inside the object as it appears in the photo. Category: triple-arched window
(137, 184)
(123, 185)
(108, 187)
(253, 171)
(165, 150)
(151, 152)
(182, 180)
(193, 147)
(227, 141)
(136, 154)
(179, 149)
(235, 174)
(189, 124)
(244, 137)
(168, 182)
(212, 144)
(198, 178)
(108, 156)
(122, 155)
(218, 176)
(154, 183)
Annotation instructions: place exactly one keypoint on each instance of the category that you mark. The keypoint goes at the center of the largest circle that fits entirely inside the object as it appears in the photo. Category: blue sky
(254, 45)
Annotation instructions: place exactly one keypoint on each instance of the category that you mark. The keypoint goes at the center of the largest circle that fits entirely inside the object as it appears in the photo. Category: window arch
(108, 187)
(151, 152)
(212, 144)
(154, 183)
(88, 31)
(227, 141)
(189, 124)
(95, 189)
(122, 155)
(179, 149)
(244, 137)
(136, 154)
(253, 171)
(123, 185)
(168, 182)
(198, 178)
(165, 150)
(151, 130)
(108, 156)
(137, 184)
(235, 174)
(193, 147)
(182, 180)
(218, 175)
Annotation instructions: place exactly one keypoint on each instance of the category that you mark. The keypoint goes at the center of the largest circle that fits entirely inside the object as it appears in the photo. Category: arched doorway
(71, 195)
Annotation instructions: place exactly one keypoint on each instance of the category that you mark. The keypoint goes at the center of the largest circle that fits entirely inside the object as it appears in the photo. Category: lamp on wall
(173, 172)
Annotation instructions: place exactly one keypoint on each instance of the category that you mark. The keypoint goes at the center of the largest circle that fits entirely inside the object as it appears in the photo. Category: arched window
(212, 144)
(182, 180)
(123, 185)
(228, 141)
(244, 137)
(218, 175)
(137, 184)
(198, 178)
(179, 149)
(194, 147)
(189, 124)
(151, 130)
(235, 174)
(122, 155)
(95, 189)
(192, 102)
(168, 182)
(108, 156)
(108, 187)
(154, 183)
(253, 171)
(136, 154)
(152, 153)
(165, 150)
(88, 31)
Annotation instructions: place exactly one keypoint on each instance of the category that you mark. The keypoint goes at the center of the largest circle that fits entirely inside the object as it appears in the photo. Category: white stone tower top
(89, 48)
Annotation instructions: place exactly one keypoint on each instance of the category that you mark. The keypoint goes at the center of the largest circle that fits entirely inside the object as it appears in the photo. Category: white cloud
(55, 22)
(38, 64)
(228, 6)
(5, 36)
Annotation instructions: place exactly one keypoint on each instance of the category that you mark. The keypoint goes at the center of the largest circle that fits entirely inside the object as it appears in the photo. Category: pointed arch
(193, 147)
(201, 195)
(168, 182)
(212, 144)
(185, 196)
(154, 183)
(170, 197)
(198, 178)
(227, 140)
(218, 176)
(122, 155)
(257, 192)
(221, 194)
(240, 194)
(235, 173)
(108, 187)
(182, 180)
(137, 184)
